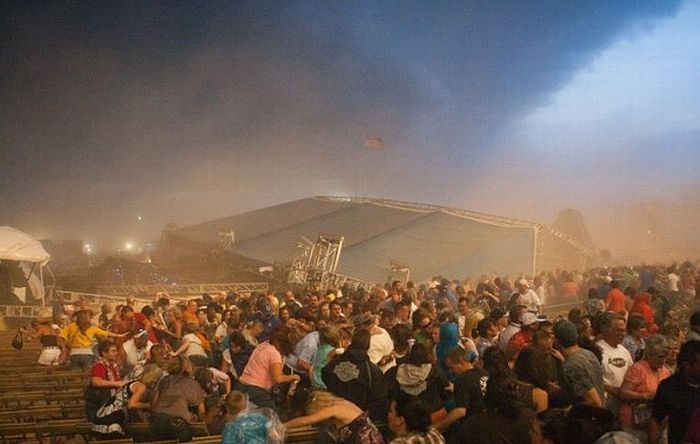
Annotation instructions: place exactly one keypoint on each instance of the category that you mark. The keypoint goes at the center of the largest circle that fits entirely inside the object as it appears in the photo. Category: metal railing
(75, 297)
(186, 289)
(20, 311)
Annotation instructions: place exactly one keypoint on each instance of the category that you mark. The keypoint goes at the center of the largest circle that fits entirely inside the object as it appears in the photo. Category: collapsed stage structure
(374, 239)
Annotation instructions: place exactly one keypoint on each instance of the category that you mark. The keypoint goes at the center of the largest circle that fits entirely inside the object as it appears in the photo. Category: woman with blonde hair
(260, 426)
(349, 424)
(171, 332)
(111, 418)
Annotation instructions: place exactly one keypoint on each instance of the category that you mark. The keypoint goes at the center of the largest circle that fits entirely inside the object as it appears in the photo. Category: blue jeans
(82, 361)
(256, 395)
(165, 427)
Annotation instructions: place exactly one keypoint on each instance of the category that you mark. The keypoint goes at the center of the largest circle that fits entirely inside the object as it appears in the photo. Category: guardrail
(561, 308)
(75, 297)
(20, 311)
(186, 289)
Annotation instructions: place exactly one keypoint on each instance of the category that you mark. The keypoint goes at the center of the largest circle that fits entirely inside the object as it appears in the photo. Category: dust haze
(117, 120)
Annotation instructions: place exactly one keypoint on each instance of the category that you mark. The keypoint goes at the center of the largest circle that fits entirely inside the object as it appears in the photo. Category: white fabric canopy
(18, 246)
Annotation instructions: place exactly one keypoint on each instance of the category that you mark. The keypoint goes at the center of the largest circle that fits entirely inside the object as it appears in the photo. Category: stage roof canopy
(431, 240)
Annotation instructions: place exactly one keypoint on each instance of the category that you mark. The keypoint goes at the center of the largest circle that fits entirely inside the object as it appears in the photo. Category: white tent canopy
(18, 246)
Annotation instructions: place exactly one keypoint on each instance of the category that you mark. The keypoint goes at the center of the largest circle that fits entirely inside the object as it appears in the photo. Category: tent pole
(534, 252)
(41, 278)
(31, 271)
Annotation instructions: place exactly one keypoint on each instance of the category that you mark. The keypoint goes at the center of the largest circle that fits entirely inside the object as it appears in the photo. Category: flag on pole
(373, 142)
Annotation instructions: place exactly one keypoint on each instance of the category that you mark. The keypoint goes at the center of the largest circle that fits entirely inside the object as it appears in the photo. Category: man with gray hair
(616, 358)
(530, 297)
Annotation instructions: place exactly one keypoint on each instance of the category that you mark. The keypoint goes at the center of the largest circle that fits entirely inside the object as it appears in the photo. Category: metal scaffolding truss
(317, 264)
(326, 255)
(227, 239)
(400, 271)
(353, 282)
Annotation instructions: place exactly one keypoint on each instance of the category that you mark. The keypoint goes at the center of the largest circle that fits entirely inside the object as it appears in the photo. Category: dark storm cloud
(190, 111)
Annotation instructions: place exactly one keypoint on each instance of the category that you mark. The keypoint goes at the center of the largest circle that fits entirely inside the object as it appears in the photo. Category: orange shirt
(189, 318)
(616, 300)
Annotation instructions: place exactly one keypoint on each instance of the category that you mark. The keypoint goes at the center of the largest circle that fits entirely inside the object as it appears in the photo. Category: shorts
(49, 356)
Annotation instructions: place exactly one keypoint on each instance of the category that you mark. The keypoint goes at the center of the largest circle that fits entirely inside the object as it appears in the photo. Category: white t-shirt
(134, 356)
(542, 294)
(226, 356)
(195, 348)
(221, 330)
(218, 377)
(381, 345)
(673, 280)
(615, 363)
(531, 300)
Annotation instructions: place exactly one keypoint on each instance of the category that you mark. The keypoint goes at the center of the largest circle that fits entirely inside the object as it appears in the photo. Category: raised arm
(315, 418)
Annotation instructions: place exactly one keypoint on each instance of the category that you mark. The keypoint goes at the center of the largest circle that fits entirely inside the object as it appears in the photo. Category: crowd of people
(445, 361)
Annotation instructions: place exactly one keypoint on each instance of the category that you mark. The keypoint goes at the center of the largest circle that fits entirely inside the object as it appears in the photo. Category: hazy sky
(188, 111)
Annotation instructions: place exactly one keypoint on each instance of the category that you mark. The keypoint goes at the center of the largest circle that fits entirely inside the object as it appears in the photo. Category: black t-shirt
(677, 400)
(470, 389)
(493, 427)
(353, 377)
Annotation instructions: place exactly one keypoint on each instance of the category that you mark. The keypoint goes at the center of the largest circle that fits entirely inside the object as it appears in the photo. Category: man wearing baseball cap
(582, 375)
(528, 325)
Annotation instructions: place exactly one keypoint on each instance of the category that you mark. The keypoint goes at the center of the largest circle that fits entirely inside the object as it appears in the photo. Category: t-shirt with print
(615, 363)
(470, 389)
(107, 371)
(134, 355)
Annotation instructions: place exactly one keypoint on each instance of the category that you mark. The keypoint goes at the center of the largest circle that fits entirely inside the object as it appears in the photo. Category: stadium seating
(40, 404)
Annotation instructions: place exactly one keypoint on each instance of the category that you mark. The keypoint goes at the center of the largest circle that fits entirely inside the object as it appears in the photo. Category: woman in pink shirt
(264, 369)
